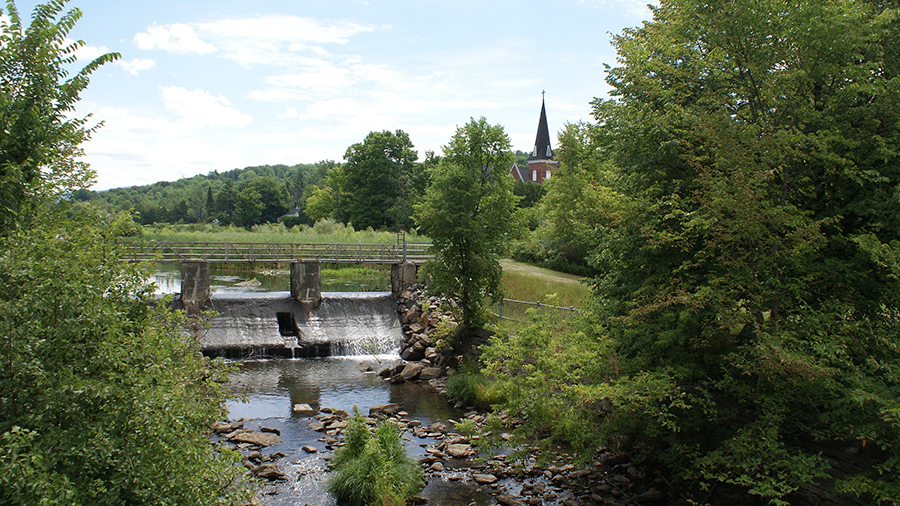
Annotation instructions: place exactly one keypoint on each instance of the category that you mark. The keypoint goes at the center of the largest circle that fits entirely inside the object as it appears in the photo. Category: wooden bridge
(248, 252)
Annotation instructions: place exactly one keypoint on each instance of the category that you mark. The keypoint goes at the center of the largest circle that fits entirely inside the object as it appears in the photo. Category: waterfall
(272, 324)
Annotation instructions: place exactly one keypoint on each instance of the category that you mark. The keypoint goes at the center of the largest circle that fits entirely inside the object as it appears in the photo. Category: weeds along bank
(323, 232)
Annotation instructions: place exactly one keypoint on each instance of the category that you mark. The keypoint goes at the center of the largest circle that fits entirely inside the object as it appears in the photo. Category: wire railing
(515, 310)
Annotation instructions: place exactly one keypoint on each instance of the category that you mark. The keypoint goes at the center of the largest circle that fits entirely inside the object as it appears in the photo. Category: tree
(376, 178)
(469, 212)
(35, 111)
(747, 243)
(104, 396)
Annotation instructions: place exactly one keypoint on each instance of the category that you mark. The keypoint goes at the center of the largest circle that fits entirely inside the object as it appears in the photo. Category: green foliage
(471, 387)
(323, 232)
(378, 181)
(104, 395)
(204, 198)
(370, 471)
(738, 199)
(469, 213)
(37, 101)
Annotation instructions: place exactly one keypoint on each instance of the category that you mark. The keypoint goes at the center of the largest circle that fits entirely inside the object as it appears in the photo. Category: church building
(541, 163)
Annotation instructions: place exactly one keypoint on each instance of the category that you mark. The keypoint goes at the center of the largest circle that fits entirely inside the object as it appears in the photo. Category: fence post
(500, 309)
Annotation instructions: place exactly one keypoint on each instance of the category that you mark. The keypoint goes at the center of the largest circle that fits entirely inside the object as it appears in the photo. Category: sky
(205, 85)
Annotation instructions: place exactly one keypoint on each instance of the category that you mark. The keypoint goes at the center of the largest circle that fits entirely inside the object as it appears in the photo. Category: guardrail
(246, 252)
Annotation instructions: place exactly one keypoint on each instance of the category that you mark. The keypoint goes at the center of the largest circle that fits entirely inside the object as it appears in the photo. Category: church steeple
(542, 149)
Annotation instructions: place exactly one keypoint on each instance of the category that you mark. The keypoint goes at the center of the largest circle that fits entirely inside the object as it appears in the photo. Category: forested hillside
(242, 197)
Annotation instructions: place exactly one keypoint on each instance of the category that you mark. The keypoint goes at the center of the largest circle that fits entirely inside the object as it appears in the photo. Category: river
(270, 389)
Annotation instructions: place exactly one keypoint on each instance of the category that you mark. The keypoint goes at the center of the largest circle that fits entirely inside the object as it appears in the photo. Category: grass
(323, 232)
(529, 283)
(373, 469)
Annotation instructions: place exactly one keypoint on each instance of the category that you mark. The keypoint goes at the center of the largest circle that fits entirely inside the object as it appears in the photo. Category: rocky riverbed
(480, 474)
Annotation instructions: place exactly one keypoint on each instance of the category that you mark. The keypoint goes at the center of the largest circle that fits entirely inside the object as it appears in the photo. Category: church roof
(542, 149)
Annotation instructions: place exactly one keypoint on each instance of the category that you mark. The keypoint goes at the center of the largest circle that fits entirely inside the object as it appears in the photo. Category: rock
(484, 479)
(413, 353)
(417, 499)
(437, 467)
(257, 438)
(268, 472)
(431, 353)
(397, 379)
(460, 450)
(270, 430)
(438, 427)
(384, 409)
(509, 500)
(411, 371)
(651, 495)
(430, 373)
(304, 410)
(365, 366)
(226, 427)
(386, 372)
(317, 426)
(310, 449)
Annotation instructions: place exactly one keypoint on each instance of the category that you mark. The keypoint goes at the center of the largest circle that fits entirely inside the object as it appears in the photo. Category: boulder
(258, 438)
(484, 479)
(414, 352)
(460, 450)
(509, 500)
(384, 409)
(304, 410)
(428, 373)
(268, 472)
(411, 371)
(365, 366)
(226, 427)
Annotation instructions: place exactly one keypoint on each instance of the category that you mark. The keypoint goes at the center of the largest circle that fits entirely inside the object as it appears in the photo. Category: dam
(275, 324)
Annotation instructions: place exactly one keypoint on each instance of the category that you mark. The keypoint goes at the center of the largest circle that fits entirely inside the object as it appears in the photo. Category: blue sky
(217, 85)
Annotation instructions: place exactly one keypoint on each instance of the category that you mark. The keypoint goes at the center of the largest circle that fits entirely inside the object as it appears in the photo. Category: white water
(343, 324)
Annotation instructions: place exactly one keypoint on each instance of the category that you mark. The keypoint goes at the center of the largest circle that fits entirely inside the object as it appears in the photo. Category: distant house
(541, 163)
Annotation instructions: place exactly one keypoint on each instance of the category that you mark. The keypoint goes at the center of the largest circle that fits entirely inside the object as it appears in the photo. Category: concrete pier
(306, 282)
(403, 276)
(194, 283)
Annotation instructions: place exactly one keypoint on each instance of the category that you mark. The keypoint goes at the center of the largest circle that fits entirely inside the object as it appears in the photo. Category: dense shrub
(373, 470)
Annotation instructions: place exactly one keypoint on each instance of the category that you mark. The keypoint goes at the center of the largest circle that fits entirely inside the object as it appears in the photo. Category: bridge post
(403, 275)
(194, 283)
(306, 281)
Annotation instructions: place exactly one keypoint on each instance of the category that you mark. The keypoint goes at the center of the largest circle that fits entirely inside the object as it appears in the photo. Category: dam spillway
(273, 324)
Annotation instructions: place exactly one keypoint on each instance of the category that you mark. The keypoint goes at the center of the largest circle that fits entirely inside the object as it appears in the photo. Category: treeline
(241, 197)
(376, 188)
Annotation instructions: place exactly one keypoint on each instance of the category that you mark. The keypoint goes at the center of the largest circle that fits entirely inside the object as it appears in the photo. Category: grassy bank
(529, 283)
(324, 232)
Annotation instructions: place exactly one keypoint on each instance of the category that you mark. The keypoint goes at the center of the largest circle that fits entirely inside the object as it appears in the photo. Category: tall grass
(373, 471)
(323, 232)
(535, 284)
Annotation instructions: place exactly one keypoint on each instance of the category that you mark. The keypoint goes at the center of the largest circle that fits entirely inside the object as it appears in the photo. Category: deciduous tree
(469, 213)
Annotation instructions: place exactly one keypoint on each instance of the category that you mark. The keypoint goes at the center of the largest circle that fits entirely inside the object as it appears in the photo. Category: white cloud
(177, 38)
(200, 108)
(136, 65)
(289, 113)
(276, 40)
(633, 7)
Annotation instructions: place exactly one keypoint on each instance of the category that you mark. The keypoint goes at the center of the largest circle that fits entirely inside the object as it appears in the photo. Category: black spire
(542, 149)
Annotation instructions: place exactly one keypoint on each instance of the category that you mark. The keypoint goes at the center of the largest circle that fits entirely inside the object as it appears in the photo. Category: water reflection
(225, 279)
(272, 387)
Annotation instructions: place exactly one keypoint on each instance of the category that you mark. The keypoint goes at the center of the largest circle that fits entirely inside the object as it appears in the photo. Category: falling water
(256, 325)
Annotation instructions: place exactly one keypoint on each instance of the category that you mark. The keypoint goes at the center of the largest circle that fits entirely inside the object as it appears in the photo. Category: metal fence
(511, 309)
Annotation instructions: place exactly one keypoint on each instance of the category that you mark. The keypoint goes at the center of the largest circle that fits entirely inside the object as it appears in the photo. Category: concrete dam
(275, 324)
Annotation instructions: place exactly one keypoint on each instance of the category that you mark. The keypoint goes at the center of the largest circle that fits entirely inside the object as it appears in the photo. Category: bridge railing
(247, 252)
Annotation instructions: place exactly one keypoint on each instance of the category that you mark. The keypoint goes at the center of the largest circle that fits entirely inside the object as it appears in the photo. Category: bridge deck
(246, 252)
